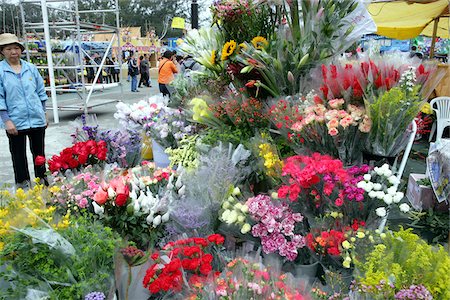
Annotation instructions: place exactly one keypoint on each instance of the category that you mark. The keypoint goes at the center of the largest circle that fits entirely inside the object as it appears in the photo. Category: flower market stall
(278, 178)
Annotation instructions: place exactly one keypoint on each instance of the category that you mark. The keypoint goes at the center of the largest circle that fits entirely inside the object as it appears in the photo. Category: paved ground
(58, 135)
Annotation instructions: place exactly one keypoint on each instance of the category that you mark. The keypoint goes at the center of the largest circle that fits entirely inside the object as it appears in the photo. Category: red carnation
(39, 160)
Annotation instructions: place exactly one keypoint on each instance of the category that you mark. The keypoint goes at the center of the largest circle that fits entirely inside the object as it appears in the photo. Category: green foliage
(391, 113)
(39, 266)
(233, 136)
(404, 259)
(436, 223)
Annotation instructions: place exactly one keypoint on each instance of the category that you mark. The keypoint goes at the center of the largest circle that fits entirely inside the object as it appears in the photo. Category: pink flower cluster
(337, 119)
(229, 10)
(276, 226)
(306, 173)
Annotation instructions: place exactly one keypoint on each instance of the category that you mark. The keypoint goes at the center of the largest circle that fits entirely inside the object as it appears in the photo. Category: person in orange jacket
(166, 71)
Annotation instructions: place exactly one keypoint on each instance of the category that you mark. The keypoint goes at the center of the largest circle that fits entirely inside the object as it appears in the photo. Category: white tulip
(367, 177)
(244, 208)
(133, 195)
(226, 205)
(149, 218)
(165, 217)
(226, 214)
(387, 199)
(99, 210)
(231, 199)
(141, 184)
(241, 219)
(238, 206)
(178, 183)
(232, 218)
(157, 221)
(182, 190)
(136, 206)
(380, 211)
(398, 197)
(111, 193)
(236, 191)
(246, 228)
(377, 186)
(404, 207)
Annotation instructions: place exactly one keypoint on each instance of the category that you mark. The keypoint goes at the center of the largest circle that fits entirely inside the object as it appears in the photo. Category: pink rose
(101, 196)
(333, 123)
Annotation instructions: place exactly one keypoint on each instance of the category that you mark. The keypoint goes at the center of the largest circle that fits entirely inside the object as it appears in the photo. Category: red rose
(82, 159)
(154, 287)
(205, 269)
(216, 238)
(39, 160)
(121, 199)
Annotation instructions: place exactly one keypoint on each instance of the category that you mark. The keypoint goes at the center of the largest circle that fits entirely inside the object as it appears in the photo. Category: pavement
(58, 135)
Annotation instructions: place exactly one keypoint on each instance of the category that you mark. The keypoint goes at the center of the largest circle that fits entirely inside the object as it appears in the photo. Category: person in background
(144, 70)
(133, 71)
(90, 74)
(166, 72)
(109, 70)
(22, 109)
(149, 81)
(116, 70)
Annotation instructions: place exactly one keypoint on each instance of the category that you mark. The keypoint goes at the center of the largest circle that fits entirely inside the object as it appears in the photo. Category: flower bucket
(308, 272)
(160, 157)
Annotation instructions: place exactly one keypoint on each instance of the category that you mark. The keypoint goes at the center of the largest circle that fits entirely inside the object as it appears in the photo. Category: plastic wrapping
(146, 150)
(438, 163)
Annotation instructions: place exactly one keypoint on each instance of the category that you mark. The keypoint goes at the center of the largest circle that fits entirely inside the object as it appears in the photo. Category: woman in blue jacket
(22, 108)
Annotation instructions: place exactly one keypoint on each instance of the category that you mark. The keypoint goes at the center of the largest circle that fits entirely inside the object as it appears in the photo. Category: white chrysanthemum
(372, 194)
(367, 177)
(398, 197)
(393, 179)
(404, 207)
(392, 190)
(377, 186)
(381, 211)
(387, 199)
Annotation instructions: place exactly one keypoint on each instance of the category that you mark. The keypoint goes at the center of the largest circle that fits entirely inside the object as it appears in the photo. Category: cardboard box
(422, 197)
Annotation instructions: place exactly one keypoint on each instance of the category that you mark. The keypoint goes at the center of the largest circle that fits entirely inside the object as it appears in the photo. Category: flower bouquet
(183, 263)
(136, 204)
(79, 155)
(278, 227)
(246, 278)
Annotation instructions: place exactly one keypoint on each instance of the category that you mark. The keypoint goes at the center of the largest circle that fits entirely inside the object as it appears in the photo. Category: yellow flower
(2, 245)
(426, 109)
(242, 46)
(360, 234)
(260, 42)
(346, 245)
(228, 49)
(213, 57)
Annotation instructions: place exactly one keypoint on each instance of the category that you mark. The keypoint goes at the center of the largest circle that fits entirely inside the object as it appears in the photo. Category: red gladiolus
(39, 160)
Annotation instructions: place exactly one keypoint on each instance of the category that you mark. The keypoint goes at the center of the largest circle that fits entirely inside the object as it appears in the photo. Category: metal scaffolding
(77, 28)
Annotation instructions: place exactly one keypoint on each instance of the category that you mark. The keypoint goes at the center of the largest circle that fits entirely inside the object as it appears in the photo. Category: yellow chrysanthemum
(426, 109)
(213, 57)
(260, 42)
(228, 49)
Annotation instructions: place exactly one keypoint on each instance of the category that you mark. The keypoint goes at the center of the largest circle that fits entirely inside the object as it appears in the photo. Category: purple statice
(91, 131)
(123, 146)
(414, 292)
(95, 296)
(189, 217)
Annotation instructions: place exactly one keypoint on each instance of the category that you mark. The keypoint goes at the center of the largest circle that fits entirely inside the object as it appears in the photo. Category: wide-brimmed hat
(8, 39)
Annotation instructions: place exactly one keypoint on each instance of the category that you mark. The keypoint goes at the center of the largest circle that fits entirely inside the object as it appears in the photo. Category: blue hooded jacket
(21, 95)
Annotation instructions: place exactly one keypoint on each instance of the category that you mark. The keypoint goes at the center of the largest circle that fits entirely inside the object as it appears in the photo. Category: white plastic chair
(442, 116)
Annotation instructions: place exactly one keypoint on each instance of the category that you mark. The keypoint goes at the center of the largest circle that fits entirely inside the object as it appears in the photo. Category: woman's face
(12, 52)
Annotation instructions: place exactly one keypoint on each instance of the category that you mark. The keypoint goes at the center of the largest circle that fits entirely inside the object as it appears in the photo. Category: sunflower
(242, 46)
(228, 49)
(260, 42)
(213, 57)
